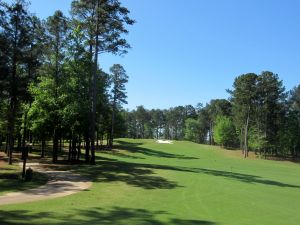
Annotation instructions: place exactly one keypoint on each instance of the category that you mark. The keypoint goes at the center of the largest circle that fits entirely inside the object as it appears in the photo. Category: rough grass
(142, 182)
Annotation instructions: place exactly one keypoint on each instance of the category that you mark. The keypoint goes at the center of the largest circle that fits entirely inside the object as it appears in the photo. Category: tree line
(51, 85)
(260, 115)
(52, 89)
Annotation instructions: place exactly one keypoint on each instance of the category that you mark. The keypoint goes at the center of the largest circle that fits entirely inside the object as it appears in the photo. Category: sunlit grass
(143, 182)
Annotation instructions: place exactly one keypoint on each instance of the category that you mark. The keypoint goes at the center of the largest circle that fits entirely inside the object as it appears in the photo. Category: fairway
(145, 182)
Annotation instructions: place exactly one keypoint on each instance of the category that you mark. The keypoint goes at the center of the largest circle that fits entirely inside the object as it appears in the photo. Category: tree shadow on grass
(136, 148)
(120, 154)
(243, 177)
(115, 216)
(138, 175)
(143, 175)
(226, 174)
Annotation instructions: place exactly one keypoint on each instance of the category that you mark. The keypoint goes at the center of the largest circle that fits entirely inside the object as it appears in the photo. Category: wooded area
(259, 116)
(52, 87)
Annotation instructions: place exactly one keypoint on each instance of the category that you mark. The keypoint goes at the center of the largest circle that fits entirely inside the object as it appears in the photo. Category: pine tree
(104, 24)
(119, 78)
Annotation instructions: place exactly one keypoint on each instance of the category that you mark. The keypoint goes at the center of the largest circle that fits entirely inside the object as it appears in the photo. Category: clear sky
(189, 51)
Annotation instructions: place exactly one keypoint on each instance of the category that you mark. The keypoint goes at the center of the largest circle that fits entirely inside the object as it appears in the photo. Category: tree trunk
(74, 148)
(6, 143)
(19, 141)
(246, 135)
(94, 98)
(70, 148)
(1, 140)
(111, 139)
(87, 149)
(43, 148)
(60, 144)
(241, 142)
(97, 141)
(211, 135)
(24, 161)
(79, 148)
(24, 134)
(55, 147)
(101, 140)
(11, 130)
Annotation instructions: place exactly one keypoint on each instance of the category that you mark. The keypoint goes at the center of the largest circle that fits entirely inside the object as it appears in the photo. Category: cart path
(60, 183)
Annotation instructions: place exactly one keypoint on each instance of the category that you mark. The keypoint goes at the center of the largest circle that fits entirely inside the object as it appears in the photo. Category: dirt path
(60, 183)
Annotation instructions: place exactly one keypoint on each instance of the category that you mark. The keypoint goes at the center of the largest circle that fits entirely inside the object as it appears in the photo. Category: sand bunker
(164, 142)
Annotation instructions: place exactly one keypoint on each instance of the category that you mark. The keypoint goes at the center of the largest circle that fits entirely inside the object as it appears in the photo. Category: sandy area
(164, 142)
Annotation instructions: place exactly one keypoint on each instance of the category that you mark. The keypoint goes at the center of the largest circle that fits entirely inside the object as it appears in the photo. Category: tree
(157, 121)
(104, 22)
(192, 130)
(257, 139)
(119, 78)
(15, 26)
(217, 107)
(57, 31)
(270, 107)
(243, 98)
(294, 99)
(142, 117)
(289, 130)
(204, 125)
(224, 131)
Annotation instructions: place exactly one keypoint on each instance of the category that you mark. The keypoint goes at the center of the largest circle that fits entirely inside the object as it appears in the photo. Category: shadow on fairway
(143, 175)
(136, 148)
(242, 177)
(138, 175)
(115, 216)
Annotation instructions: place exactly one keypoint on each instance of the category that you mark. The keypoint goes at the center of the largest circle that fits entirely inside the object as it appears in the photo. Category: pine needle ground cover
(144, 182)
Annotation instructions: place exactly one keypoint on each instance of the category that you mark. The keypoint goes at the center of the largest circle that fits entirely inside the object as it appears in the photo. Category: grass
(180, 184)
(10, 179)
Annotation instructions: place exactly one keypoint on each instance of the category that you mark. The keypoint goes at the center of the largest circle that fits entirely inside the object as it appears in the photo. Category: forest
(52, 91)
(51, 86)
(260, 116)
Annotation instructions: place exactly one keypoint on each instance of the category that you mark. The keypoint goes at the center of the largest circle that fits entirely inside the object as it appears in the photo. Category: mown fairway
(181, 184)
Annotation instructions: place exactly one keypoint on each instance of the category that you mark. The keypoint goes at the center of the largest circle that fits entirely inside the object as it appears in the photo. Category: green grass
(11, 181)
(180, 184)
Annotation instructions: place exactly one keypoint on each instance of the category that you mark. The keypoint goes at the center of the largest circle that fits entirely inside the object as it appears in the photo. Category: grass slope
(181, 184)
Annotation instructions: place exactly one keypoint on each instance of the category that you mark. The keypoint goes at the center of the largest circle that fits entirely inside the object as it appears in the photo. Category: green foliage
(224, 131)
(118, 78)
(259, 107)
(243, 97)
(257, 140)
(192, 130)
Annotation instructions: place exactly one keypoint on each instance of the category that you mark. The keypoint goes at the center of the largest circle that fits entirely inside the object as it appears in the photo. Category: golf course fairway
(183, 183)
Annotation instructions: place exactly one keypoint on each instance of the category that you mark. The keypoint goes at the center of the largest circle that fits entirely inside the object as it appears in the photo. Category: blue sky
(189, 51)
